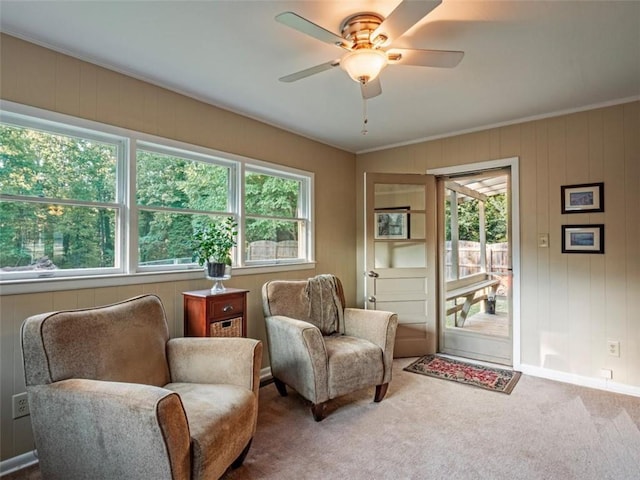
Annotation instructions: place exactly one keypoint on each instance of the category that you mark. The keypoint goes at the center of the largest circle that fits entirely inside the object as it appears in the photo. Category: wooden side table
(221, 314)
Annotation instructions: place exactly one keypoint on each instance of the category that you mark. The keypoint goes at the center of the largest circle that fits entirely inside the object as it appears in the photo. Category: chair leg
(319, 411)
(238, 461)
(281, 386)
(381, 391)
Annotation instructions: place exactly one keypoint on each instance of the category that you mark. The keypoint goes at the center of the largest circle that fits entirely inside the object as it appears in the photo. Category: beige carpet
(436, 429)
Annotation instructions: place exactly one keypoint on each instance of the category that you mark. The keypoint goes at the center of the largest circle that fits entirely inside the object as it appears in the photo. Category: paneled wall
(571, 304)
(38, 77)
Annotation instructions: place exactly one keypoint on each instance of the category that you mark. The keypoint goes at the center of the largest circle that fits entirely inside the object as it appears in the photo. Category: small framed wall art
(583, 198)
(582, 238)
(392, 225)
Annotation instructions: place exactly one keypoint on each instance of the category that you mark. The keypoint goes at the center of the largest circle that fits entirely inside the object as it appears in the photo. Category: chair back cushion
(123, 342)
(295, 299)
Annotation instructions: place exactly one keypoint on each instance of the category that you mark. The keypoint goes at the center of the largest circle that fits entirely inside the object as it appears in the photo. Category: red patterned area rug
(489, 378)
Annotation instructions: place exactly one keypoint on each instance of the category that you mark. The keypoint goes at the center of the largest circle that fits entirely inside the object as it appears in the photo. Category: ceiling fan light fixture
(364, 65)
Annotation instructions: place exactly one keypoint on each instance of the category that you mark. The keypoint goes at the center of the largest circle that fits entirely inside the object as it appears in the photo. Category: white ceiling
(523, 59)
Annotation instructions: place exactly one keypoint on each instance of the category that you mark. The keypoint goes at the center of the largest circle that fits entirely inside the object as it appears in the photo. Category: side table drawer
(232, 306)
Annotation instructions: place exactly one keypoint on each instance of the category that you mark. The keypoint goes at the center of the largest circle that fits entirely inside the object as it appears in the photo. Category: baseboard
(19, 462)
(598, 383)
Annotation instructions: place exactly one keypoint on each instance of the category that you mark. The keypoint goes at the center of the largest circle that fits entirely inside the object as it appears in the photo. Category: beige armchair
(321, 349)
(111, 396)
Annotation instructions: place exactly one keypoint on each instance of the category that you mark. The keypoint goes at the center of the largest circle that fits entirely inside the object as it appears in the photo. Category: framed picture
(582, 238)
(391, 224)
(584, 198)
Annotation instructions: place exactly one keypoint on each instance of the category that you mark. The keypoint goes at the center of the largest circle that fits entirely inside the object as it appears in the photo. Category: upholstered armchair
(322, 349)
(111, 396)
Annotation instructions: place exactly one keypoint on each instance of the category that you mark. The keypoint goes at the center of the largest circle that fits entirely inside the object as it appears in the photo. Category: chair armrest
(378, 327)
(298, 356)
(227, 360)
(98, 429)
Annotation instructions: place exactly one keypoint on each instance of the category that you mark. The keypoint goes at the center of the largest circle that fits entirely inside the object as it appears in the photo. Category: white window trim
(127, 241)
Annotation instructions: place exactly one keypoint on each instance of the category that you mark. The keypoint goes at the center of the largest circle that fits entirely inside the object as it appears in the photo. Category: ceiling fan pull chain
(365, 120)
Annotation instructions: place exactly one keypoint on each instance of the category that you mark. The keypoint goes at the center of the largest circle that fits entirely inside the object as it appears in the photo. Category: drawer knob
(227, 308)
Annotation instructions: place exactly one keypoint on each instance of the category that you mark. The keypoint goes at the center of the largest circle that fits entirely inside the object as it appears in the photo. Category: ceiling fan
(368, 38)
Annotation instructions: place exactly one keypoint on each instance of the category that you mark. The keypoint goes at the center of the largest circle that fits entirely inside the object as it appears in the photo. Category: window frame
(118, 204)
(163, 148)
(128, 271)
(304, 213)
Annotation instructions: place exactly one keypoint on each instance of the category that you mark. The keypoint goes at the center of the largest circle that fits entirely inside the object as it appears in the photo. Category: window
(175, 190)
(76, 202)
(277, 217)
(60, 207)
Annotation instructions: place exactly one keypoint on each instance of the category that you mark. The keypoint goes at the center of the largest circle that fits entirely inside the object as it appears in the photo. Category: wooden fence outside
(469, 259)
(269, 250)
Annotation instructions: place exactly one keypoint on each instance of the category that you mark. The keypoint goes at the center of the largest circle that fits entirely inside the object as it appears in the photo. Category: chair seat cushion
(221, 423)
(354, 363)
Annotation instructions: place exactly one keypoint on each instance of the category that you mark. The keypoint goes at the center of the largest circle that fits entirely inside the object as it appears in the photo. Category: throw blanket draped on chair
(325, 306)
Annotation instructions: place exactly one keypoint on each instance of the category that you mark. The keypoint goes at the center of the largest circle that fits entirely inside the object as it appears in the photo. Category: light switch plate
(543, 240)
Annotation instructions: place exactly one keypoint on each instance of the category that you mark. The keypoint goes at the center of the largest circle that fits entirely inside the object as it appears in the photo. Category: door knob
(372, 274)
(372, 299)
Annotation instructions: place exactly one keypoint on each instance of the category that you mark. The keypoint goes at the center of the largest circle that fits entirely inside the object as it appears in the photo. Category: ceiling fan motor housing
(357, 29)
(366, 60)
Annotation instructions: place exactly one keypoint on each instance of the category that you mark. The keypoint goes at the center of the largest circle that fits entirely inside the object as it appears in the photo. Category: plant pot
(217, 272)
(491, 305)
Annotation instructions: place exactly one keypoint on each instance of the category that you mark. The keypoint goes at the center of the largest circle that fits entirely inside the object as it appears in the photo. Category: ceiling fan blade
(371, 89)
(309, 71)
(303, 25)
(403, 17)
(425, 58)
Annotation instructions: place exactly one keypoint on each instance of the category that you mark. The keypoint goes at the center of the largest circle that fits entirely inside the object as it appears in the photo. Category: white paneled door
(400, 256)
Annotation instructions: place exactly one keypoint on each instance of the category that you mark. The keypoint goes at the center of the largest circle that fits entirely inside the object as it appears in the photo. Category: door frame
(513, 164)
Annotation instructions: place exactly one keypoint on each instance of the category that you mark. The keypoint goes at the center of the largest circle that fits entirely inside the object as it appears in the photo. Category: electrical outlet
(20, 405)
(606, 373)
(613, 347)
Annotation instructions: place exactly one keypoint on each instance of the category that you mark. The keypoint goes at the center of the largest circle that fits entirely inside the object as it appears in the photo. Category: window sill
(16, 287)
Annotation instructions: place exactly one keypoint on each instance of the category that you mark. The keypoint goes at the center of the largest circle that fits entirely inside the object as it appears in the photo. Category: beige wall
(38, 77)
(570, 304)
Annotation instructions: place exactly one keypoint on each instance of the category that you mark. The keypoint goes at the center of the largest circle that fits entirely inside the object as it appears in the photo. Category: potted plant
(212, 244)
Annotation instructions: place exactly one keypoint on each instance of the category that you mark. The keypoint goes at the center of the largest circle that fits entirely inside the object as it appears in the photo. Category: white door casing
(458, 341)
